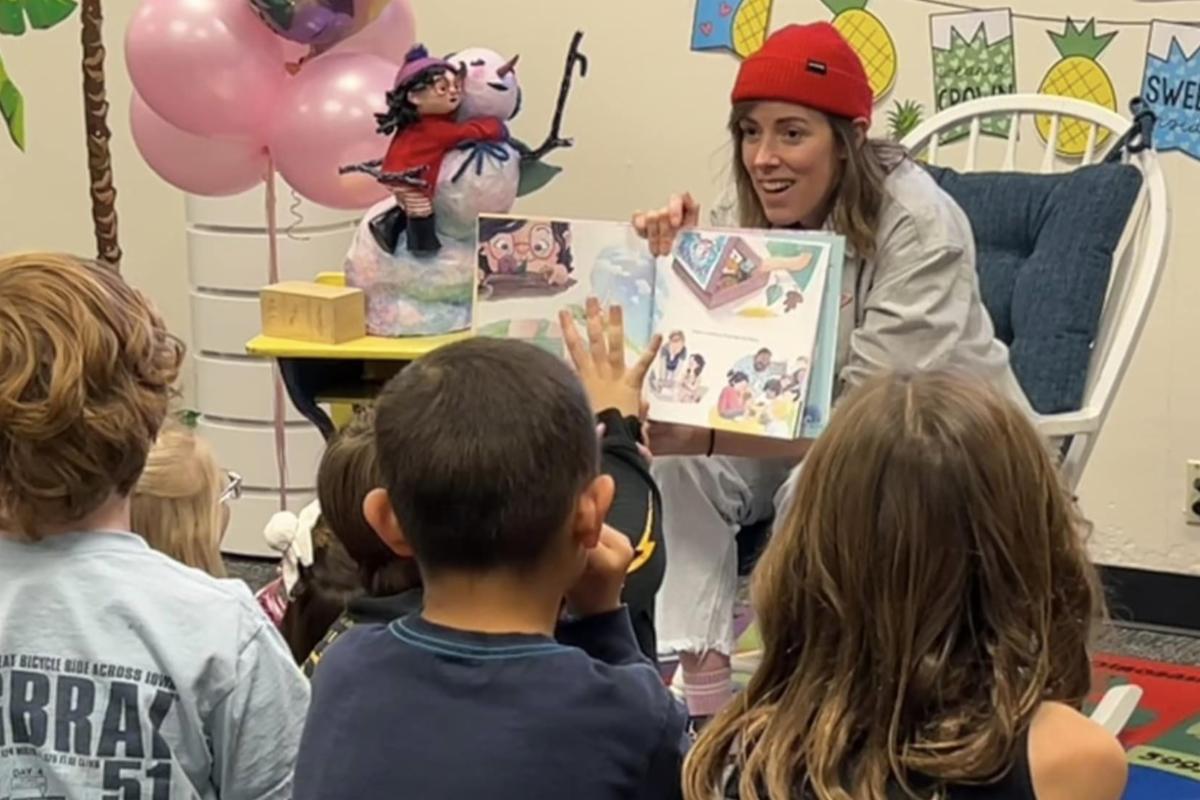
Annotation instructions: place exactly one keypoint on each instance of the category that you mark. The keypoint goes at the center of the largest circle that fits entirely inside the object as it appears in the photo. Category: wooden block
(313, 312)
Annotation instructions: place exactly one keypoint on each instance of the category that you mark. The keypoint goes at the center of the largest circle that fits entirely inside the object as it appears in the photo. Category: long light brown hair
(858, 196)
(176, 503)
(87, 371)
(926, 591)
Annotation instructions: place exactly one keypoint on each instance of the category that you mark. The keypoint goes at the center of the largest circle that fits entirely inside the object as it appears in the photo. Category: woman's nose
(765, 156)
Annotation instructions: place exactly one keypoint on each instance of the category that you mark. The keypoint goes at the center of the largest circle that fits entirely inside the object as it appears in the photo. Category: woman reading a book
(802, 159)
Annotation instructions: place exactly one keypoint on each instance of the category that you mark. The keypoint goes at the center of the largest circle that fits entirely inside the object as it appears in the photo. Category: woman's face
(790, 153)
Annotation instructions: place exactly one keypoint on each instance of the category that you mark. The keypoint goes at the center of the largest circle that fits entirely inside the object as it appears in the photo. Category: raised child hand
(601, 363)
(598, 589)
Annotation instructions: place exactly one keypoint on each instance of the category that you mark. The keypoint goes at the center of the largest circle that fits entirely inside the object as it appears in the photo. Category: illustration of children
(777, 405)
(518, 247)
(734, 397)
(690, 390)
(670, 358)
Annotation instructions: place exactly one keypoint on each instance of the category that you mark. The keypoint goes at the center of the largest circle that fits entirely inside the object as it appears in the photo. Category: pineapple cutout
(904, 118)
(737, 26)
(1078, 75)
(870, 39)
(750, 27)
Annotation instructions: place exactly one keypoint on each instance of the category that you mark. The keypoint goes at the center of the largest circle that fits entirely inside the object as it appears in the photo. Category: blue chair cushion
(1044, 249)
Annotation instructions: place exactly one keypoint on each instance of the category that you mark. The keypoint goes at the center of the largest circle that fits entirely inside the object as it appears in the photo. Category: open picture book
(749, 318)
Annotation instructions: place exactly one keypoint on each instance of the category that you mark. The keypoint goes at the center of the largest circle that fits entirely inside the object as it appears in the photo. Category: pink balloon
(196, 164)
(389, 36)
(210, 67)
(326, 120)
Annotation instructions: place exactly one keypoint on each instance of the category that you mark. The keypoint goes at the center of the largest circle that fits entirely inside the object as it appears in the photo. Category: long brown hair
(926, 591)
(859, 195)
(87, 372)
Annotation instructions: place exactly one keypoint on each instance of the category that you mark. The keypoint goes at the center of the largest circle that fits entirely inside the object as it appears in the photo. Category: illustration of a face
(762, 360)
(443, 96)
(675, 344)
(530, 248)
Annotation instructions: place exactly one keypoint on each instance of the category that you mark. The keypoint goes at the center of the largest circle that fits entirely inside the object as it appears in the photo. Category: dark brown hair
(87, 371)
(349, 560)
(484, 447)
(859, 195)
(927, 589)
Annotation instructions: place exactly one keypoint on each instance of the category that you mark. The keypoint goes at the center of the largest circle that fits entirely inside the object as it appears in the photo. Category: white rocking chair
(1137, 263)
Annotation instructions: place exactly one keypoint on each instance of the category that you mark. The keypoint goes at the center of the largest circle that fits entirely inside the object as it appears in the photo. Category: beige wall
(649, 120)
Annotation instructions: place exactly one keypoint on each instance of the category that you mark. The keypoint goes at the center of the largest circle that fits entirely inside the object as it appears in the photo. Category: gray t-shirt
(126, 675)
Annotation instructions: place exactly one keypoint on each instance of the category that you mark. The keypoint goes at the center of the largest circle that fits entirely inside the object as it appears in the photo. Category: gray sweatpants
(705, 502)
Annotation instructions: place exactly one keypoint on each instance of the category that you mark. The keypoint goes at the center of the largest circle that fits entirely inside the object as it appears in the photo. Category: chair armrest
(1070, 423)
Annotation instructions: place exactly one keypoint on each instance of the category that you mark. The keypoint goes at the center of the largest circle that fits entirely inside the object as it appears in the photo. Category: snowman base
(410, 295)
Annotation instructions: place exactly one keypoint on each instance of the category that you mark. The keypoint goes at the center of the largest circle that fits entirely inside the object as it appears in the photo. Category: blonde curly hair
(87, 370)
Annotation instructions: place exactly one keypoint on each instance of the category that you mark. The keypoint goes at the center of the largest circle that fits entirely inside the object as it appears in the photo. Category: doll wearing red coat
(420, 116)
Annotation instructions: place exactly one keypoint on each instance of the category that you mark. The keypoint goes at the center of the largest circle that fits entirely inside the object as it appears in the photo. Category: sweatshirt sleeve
(605, 637)
(637, 506)
(664, 776)
(256, 727)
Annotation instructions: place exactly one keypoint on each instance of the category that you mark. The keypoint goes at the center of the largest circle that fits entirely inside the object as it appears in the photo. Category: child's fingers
(579, 353)
(595, 328)
(616, 339)
(637, 375)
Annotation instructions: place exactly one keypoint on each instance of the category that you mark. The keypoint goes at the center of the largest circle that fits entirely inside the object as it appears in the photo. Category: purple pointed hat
(417, 61)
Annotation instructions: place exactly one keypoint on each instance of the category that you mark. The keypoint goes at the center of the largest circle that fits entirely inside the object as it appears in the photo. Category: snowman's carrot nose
(509, 67)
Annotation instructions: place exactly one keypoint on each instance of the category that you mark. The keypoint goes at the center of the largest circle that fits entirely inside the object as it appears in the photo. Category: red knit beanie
(810, 65)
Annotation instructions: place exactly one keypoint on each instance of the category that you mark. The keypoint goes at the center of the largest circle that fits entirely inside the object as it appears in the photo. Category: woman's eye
(749, 132)
(793, 135)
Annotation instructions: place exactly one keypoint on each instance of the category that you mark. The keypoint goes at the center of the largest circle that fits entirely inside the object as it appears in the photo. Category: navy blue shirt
(413, 709)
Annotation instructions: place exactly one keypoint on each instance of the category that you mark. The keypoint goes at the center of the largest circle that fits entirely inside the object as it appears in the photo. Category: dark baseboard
(1146, 597)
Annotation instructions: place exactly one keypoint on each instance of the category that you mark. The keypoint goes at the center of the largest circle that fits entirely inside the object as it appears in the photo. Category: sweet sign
(1171, 86)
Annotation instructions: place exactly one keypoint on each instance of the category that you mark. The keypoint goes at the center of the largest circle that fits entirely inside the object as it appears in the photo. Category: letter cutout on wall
(1171, 86)
(973, 57)
(738, 26)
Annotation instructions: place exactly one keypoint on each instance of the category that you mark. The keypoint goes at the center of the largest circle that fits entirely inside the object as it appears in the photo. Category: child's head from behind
(87, 370)
(488, 452)
(926, 590)
(176, 503)
(347, 473)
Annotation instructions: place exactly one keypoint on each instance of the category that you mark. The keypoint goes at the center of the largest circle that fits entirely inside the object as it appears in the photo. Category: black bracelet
(712, 441)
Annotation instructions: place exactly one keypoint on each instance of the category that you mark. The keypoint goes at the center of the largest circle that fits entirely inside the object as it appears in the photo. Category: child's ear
(592, 510)
(377, 510)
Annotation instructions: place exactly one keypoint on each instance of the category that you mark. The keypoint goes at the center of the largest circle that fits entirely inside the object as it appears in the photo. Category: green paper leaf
(535, 175)
(12, 21)
(774, 293)
(45, 14)
(12, 108)
(42, 14)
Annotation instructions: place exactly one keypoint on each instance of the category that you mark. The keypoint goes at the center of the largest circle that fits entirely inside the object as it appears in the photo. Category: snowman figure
(487, 177)
(480, 177)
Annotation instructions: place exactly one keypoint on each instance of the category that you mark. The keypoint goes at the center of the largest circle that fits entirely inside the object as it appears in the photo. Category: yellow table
(334, 373)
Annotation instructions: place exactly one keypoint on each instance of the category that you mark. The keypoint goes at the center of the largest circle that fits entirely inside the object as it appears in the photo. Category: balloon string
(272, 278)
(297, 218)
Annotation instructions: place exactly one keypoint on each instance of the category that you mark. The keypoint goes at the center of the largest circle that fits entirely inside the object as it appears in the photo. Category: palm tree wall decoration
(16, 18)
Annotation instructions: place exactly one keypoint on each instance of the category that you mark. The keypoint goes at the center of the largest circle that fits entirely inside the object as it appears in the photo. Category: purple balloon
(390, 36)
(319, 23)
(209, 67)
(195, 164)
(326, 120)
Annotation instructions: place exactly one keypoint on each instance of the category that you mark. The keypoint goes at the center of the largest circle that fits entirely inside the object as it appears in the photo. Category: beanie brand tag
(817, 67)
